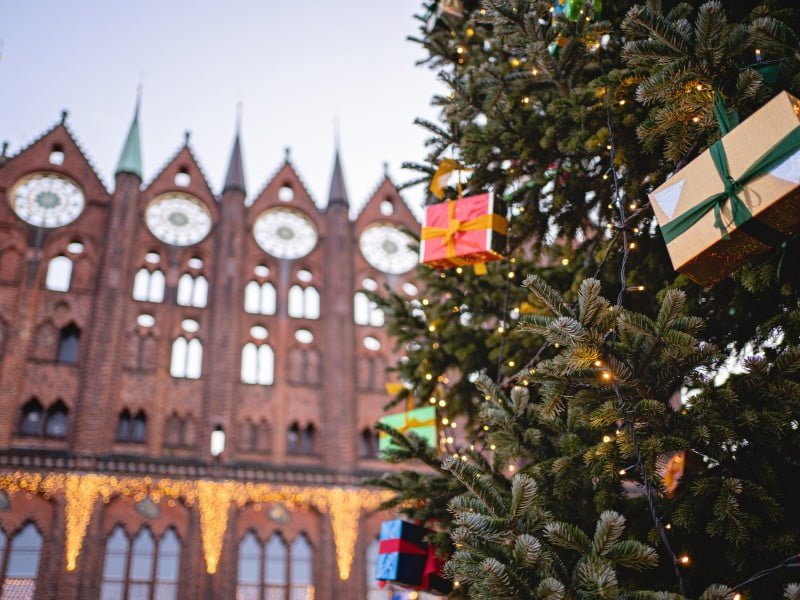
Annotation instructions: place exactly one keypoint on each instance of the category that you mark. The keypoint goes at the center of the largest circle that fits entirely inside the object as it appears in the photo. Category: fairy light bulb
(606, 439)
(622, 472)
(684, 560)
(428, 376)
(442, 403)
(445, 421)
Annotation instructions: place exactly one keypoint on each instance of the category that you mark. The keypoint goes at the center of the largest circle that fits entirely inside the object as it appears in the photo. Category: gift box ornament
(466, 231)
(738, 199)
(405, 559)
(421, 421)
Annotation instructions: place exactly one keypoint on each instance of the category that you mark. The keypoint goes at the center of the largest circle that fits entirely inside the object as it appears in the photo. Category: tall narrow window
(187, 358)
(307, 439)
(115, 566)
(139, 428)
(368, 444)
(192, 291)
(303, 302)
(293, 439)
(258, 364)
(260, 299)
(56, 423)
(59, 274)
(301, 572)
(124, 426)
(141, 569)
(169, 556)
(149, 286)
(249, 576)
(68, 339)
(366, 311)
(32, 419)
(22, 568)
(275, 567)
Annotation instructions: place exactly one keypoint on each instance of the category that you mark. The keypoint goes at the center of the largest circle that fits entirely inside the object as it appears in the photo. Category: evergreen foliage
(575, 384)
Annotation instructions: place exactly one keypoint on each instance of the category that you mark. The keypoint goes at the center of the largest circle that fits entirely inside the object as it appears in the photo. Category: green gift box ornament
(420, 421)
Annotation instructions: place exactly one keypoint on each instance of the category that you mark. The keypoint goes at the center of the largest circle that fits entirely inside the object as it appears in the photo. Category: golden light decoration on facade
(213, 498)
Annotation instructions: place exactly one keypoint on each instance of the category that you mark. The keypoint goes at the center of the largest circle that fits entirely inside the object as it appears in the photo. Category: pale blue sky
(295, 65)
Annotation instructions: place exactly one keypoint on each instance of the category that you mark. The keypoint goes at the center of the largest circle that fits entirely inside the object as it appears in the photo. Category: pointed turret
(234, 180)
(338, 193)
(130, 161)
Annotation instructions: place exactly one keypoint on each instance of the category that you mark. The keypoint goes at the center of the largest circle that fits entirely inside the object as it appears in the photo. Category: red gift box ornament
(466, 231)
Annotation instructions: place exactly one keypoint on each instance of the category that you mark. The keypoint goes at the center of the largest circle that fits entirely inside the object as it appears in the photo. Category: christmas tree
(610, 428)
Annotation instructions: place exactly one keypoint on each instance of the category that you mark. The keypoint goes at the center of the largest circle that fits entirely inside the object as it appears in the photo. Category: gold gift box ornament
(738, 199)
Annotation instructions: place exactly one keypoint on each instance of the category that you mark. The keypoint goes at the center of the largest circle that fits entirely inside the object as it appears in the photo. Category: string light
(668, 526)
(431, 328)
(501, 329)
(514, 61)
(213, 499)
(622, 471)
(445, 421)
(606, 439)
(442, 403)
(511, 274)
(684, 559)
(459, 270)
(565, 261)
(511, 363)
(486, 428)
(428, 376)
(605, 376)
(492, 447)
(432, 400)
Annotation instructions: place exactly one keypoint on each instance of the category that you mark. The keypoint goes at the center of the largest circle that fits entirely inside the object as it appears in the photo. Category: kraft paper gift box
(736, 200)
(422, 421)
(463, 232)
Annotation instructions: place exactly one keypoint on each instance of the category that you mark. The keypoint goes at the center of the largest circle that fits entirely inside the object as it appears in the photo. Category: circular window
(386, 248)
(195, 263)
(410, 289)
(369, 284)
(152, 258)
(371, 343)
(286, 194)
(47, 200)
(387, 208)
(178, 219)
(146, 320)
(190, 326)
(304, 336)
(258, 332)
(75, 248)
(304, 276)
(285, 233)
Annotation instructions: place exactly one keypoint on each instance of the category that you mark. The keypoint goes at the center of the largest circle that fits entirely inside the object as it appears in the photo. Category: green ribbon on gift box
(773, 157)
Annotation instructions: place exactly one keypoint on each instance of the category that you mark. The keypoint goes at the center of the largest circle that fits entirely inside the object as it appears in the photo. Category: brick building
(188, 380)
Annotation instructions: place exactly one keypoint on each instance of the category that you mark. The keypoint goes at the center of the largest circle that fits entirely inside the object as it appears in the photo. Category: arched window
(300, 440)
(124, 426)
(260, 298)
(22, 566)
(307, 439)
(169, 556)
(115, 566)
(187, 358)
(192, 291)
(148, 286)
(59, 274)
(32, 419)
(139, 429)
(132, 429)
(56, 423)
(301, 571)
(303, 302)
(68, 340)
(217, 443)
(258, 364)
(275, 567)
(249, 578)
(366, 311)
(151, 571)
(293, 439)
(368, 444)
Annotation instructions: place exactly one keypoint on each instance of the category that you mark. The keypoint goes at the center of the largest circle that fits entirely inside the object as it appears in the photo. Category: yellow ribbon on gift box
(454, 226)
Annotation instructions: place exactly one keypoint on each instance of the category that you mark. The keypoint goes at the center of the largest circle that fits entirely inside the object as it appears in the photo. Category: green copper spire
(130, 161)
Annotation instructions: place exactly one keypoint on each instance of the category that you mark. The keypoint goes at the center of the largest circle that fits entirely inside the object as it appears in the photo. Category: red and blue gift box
(404, 558)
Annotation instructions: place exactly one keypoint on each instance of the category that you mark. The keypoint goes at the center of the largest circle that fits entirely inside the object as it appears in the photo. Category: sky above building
(296, 67)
